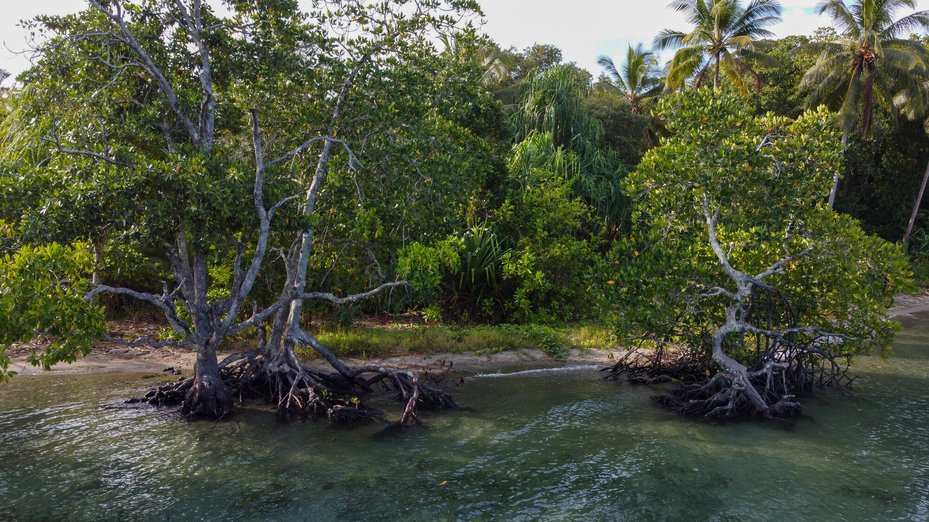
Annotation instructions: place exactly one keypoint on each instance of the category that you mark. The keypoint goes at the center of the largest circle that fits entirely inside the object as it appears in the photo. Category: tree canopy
(251, 171)
(735, 246)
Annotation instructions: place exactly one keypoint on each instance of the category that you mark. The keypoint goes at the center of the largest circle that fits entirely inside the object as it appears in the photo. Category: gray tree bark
(916, 207)
(835, 180)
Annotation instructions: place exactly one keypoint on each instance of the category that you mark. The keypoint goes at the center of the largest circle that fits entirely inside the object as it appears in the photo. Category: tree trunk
(208, 397)
(919, 202)
(95, 278)
(835, 181)
(716, 75)
(868, 103)
(737, 372)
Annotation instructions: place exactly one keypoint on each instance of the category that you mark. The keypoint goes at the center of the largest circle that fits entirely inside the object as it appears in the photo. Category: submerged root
(198, 400)
(769, 387)
(300, 391)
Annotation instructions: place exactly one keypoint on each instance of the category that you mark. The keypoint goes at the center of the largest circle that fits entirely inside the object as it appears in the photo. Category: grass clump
(396, 340)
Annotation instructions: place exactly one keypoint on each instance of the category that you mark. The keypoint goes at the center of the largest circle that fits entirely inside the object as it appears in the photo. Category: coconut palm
(636, 79)
(868, 64)
(915, 105)
(495, 64)
(724, 32)
(916, 206)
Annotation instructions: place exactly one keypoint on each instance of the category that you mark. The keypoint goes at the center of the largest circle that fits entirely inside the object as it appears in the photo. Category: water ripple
(552, 444)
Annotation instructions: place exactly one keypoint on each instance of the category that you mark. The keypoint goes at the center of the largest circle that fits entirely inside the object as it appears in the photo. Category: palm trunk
(919, 202)
(835, 181)
(868, 103)
(716, 75)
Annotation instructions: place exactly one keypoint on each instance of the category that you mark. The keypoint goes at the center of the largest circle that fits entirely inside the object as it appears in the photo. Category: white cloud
(586, 29)
(583, 29)
(13, 38)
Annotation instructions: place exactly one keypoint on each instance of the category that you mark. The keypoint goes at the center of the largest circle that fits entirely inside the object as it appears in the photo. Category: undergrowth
(395, 340)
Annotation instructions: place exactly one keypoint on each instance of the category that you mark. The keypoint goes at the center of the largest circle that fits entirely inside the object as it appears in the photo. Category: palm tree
(915, 105)
(724, 32)
(637, 79)
(916, 206)
(494, 63)
(869, 63)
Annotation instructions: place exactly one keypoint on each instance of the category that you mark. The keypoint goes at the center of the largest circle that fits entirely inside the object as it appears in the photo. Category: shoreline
(460, 362)
(145, 360)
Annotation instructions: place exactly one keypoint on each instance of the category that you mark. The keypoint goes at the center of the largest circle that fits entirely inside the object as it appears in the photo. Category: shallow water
(538, 446)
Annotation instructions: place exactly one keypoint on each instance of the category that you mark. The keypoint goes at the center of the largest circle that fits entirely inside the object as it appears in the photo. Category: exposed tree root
(779, 375)
(300, 391)
(724, 397)
(204, 400)
(207, 398)
(170, 394)
(662, 365)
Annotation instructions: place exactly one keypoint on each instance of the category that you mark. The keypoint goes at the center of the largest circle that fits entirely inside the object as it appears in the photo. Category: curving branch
(302, 337)
(87, 153)
(712, 219)
(277, 206)
(716, 292)
(259, 317)
(244, 283)
(778, 267)
(307, 238)
(326, 296)
(164, 303)
(300, 149)
(193, 25)
(116, 16)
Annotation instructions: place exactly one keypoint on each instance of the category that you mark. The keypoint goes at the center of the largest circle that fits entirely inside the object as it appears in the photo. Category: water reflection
(559, 446)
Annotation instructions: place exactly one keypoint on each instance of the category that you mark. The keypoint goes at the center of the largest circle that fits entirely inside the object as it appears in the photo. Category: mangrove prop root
(762, 360)
(207, 398)
(299, 391)
(171, 394)
(662, 365)
(780, 373)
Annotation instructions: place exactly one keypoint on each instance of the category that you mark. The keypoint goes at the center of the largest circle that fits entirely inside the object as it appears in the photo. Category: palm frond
(906, 25)
(610, 69)
(668, 39)
(843, 18)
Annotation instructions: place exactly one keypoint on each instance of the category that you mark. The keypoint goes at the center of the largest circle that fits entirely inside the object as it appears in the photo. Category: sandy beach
(108, 357)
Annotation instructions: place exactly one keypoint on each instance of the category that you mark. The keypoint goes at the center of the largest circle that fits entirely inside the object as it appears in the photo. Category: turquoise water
(537, 446)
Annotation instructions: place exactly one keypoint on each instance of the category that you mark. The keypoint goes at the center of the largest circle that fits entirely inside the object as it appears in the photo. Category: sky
(583, 29)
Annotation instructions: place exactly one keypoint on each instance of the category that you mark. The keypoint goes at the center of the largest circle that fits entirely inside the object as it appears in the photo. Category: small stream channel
(538, 446)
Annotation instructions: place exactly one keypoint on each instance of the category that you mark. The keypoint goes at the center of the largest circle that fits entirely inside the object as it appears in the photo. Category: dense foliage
(40, 304)
(764, 179)
(504, 185)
